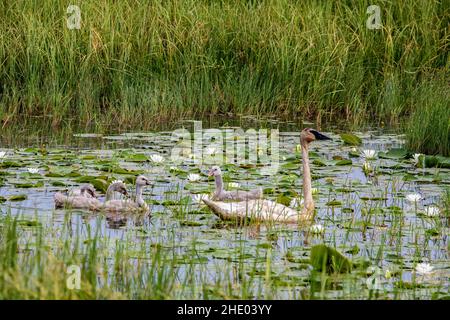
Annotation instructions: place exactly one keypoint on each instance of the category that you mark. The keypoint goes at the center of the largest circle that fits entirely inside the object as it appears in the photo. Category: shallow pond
(185, 251)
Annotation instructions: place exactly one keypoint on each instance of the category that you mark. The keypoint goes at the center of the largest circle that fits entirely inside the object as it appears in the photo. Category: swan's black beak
(319, 136)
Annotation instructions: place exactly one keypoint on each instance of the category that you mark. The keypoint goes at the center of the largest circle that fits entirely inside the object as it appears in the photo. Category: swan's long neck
(139, 199)
(109, 192)
(219, 183)
(307, 193)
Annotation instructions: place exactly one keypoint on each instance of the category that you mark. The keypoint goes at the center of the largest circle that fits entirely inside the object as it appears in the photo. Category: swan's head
(119, 186)
(309, 135)
(143, 181)
(214, 171)
(88, 189)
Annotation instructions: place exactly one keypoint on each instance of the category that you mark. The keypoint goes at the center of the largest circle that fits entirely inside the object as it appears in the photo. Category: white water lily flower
(432, 211)
(388, 274)
(157, 158)
(369, 154)
(295, 203)
(193, 177)
(374, 281)
(413, 197)
(198, 198)
(317, 228)
(2, 154)
(33, 170)
(234, 185)
(210, 151)
(416, 158)
(424, 268)
(260, 152)
(354, 149)
(314, 190)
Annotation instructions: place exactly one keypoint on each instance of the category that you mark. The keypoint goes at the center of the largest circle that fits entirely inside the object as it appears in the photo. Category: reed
(428, 129)
(143, 63)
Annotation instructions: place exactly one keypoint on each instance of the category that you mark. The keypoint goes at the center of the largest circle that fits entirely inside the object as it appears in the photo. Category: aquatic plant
(424, 268)
(168, 60)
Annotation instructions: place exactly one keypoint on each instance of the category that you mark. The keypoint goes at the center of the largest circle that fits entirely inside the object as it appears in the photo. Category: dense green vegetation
(380, 229)
(141, 63)
(429, 127)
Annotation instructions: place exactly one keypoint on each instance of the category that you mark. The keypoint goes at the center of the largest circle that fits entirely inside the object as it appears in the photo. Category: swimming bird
(86, 199)
(138, 205)
(267, 210)
(86, 190)
(116, 186)
(220, 194)
(76, 202)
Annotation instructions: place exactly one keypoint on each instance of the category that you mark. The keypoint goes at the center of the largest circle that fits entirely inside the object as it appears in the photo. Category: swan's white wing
(257, 209)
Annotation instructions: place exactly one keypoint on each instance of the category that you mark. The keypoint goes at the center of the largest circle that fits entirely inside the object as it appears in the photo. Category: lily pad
(351, 139)
(334, 203)
(324, 258)
(344, 162)
(10, 164)
(18, 197)
(394, 153)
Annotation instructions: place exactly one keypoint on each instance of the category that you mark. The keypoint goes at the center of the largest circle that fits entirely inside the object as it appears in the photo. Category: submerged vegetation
(132, 61)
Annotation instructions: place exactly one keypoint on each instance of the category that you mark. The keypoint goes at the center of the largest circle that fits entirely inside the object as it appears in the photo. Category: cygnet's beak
(319, 136)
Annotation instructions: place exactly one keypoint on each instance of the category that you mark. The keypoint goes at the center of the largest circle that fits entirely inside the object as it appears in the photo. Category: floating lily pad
(351, 139)
(10, 164)
(334, 203)
(284, 200)
(58, 184)
(319, 163)
(344, 162)
(395, 153)
(187, 223)
(138, 157)
(18, 197)
(324, 258)
(27, 184)
(28, 223)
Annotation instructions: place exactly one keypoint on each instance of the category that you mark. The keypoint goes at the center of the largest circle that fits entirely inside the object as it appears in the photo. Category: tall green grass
(428, 128)
(140, 63)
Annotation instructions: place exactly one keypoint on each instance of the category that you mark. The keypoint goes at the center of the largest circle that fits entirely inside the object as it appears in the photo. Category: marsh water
(365, 213)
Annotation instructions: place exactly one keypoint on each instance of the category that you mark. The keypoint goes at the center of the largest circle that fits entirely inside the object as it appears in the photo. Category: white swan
(267, 210)
(220, 194)
(123, 206)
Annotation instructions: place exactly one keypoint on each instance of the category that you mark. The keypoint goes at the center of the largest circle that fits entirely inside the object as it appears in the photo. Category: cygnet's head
(214, 171)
